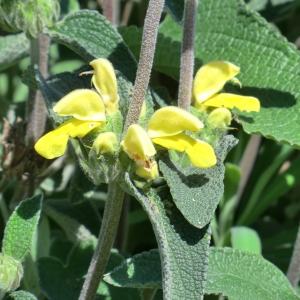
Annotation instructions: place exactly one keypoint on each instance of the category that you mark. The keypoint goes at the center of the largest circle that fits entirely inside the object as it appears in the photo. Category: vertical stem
(122, 234)
(293, 273)
(187, 55)
(127, 12)
(142, 79)
(247, 163)
(37, 112)
(110, 221)
(111, 10)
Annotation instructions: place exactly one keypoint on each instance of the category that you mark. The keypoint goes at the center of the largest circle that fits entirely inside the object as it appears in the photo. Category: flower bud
(30, 16)
(106, 143)
(11, 273)
(148, 173)
(219, 118)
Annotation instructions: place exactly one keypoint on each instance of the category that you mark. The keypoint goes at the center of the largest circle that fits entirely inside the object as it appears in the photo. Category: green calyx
(31, 16)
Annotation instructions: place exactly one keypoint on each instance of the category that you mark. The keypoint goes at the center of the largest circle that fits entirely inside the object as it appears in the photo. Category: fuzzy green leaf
(143, 270)
(229, 30)
(183, 247)
(233, 273)
(243, 275)
(12, 48)
(197, 192)
(91, 36)
(21, 295)
(21, 227)
(246, 239)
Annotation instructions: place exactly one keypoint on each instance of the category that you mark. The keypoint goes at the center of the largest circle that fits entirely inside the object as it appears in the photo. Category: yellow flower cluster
(88, 110)
(169, 127)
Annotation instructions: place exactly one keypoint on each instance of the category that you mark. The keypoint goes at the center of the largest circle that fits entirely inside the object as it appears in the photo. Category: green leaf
(61, 282)
(232, 273)
(279, 186)
(245, 239)
(183, 247)
(77, 31)
(243, 275)
(231, 180)
(229, 30)
(143, 270)
(21, 227)
(21, 295)
(197, 192)
(90, 35)
(12, 48)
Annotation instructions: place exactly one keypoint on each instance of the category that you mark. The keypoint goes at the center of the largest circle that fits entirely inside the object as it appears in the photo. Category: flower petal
(171, 120)
(78, 128)
(243, 103)
(105, 82)
(202, 155)
(105, 142)
(220, 117)
(179, 142)
(52, 145)
(82, 104)
(211, 78)
(137, 144)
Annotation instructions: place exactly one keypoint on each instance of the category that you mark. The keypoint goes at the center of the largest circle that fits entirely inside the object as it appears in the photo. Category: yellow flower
(219, 118)
(105, 82)
(87, 111)
(106, 143)
(140, 148)
(166, 128)
(210, 79)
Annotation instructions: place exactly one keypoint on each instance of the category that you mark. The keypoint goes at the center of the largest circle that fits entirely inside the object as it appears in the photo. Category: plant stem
(247, 163)
(122, 234)
(127, 12)
(293, 273)
(142, 79)
(110, 221)
(111, 10)
(187, 55)
(37, 112)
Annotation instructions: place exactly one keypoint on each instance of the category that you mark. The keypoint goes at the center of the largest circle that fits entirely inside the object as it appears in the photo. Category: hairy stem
(111, 10)
(142, 79)
(187, 55)
(37, 112)
(110, 221)
(293, 273)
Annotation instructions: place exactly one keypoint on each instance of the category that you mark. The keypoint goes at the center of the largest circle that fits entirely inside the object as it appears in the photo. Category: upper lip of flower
(166, 128)
(210, 80)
